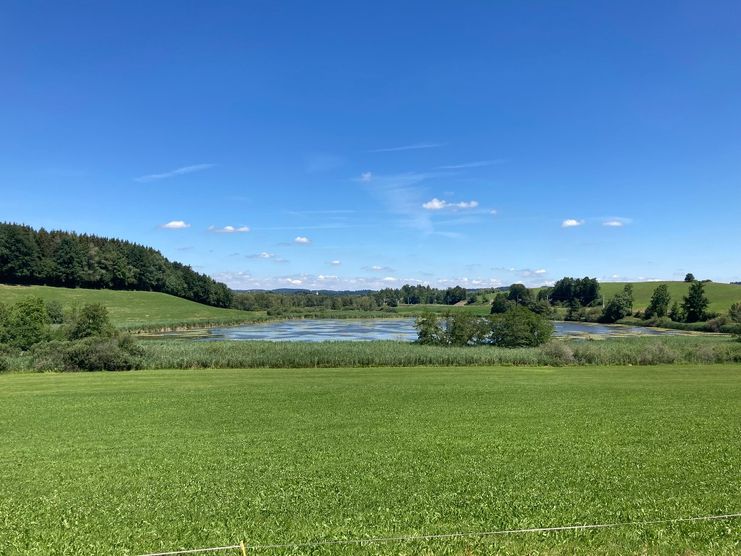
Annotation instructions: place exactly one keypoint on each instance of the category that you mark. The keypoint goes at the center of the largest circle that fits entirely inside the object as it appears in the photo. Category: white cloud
(335, 262)
(434, 204)
(390, 279)
(175, 225)
(415, 146)
(366, 177)
(541, 271)
(437, 204)
(229, 229)
(616, 222)
(493, 212)
(173, 173)
(302, 240)
(571, 223)
(294, 282)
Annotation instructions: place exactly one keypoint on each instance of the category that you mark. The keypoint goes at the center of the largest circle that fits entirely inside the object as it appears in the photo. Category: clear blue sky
(347, 145)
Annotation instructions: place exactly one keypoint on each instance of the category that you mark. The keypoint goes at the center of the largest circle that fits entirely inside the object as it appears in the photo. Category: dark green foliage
(520, 327)
(4, 365)
(619, 307)
(695, 303)
(429, 331)
(91, 320)
(454, 295)
(516, 327)
(27, 323)
(519, 294)
(585, 291)
(93, 353)
(734, 312)
(689, 277)
(500, 304)
(675, 313)
(57, 258)
(659, 305)
(55, 311)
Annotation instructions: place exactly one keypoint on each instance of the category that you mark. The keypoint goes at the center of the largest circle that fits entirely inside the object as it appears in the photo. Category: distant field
(129, 463)
(721, 296)
(133, 310)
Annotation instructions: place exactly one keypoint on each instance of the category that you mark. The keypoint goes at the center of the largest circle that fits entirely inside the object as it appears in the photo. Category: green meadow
(136, 462)
(721, 296)
(135, 310)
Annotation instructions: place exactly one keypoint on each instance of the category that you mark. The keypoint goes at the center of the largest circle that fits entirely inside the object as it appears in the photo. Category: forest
(67, 259)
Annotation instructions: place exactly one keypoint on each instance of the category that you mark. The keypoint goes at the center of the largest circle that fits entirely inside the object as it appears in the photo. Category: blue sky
(348, 145)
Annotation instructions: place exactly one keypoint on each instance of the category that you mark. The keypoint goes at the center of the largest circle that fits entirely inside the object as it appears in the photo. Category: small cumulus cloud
(335, 262)
(366, 177)
(172, 173)
(302, 240)
(175, 225)
(378, 268)
(616, 222)
(229, 229)
(438, 204)
(571, 223)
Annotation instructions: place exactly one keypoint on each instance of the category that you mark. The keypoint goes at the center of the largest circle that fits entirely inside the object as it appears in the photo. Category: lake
(318, 330)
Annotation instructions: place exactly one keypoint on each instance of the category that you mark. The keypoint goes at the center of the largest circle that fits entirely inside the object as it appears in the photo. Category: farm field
(130, 463)
(134, 309)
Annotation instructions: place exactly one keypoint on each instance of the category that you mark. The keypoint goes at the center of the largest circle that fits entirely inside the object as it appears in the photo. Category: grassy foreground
(129, 463)
(134, 310)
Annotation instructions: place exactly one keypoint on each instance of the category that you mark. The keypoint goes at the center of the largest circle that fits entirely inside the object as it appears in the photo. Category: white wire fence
(251, 548)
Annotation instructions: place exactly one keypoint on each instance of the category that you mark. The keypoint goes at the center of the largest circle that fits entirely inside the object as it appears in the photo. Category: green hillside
(133, 309)
(721, 296)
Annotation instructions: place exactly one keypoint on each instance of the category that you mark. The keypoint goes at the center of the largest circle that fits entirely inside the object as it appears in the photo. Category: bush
(558, 353)
(27, 323)
(89, 354)
(55, 311)
(520, 327)
(91, 320)
(4, 365)
(734, 312)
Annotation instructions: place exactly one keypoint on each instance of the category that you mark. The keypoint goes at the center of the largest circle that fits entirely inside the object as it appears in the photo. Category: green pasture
(134, 309)
(721, 296)
(137, 462)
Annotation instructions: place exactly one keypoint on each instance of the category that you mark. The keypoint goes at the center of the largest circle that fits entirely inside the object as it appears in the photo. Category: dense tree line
(277, 301)
(58, 258)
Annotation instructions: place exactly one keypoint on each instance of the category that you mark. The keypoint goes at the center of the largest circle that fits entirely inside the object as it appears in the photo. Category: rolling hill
(134, 310)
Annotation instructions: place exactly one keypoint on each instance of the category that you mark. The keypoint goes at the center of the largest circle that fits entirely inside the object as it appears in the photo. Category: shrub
(89, 354)
(558, 353)
(91, 320)
(27, 323)
(656, 353)
(520, 327)
(55, 311)
(734, 312)
(4, 365)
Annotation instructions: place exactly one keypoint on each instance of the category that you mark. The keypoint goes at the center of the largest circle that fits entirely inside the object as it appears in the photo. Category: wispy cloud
(571, 223)
(335, 262)
(616, 222)
(378, 268)
(172, 173)
(412, 147)
(366, 177)
(265, 256)
(175, 225)
(438, 204)
(477, 164)
(229, 229)
(302, 240)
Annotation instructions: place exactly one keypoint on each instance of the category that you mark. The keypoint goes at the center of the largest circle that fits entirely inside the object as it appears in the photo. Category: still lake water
(319, 330)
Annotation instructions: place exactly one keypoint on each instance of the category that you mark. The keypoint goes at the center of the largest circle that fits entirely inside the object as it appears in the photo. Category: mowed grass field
(129, 463)
(133, 310)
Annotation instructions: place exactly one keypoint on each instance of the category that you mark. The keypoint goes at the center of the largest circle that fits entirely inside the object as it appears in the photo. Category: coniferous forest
(67, 259)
